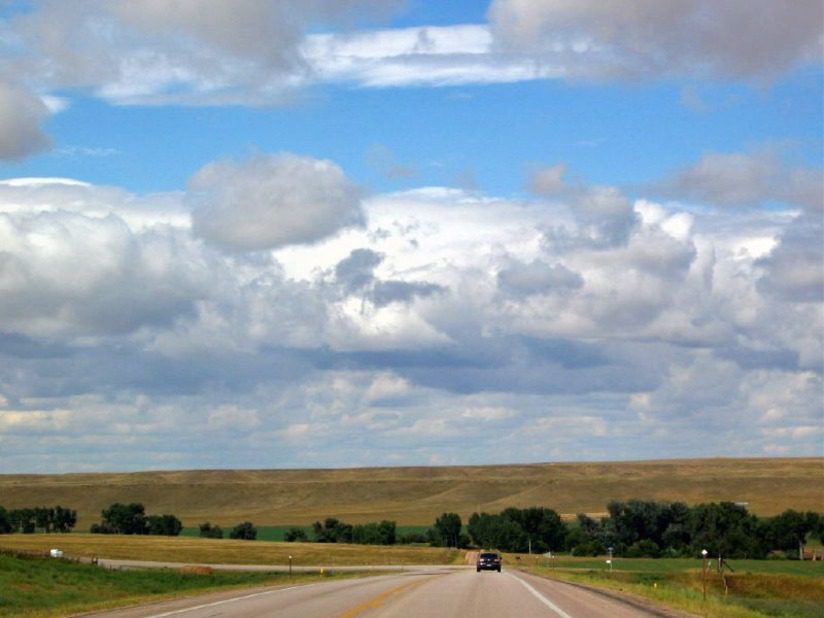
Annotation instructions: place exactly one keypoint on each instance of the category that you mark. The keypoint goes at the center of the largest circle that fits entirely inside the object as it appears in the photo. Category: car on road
(488, 561)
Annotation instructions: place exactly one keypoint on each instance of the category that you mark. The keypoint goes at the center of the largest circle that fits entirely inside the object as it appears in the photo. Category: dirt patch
(197, 570)
(471, 557)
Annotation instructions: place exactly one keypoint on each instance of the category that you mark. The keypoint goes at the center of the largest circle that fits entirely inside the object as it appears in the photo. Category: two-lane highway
(418, 594)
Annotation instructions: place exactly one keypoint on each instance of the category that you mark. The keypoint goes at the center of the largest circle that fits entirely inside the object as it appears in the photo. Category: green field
(679, 565)
(416, 496)
(756, 588)
(32, 587)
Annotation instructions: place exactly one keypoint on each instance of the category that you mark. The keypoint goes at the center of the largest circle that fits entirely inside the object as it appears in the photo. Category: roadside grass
(278, 533)
(804, 568)
(39, 587)
(757, 588)
(227, 551)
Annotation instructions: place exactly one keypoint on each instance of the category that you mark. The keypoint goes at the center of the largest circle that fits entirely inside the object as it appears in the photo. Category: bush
(208, 531)
(296, 535)
(245, 531)
(412, 537)
(644, 548)
(165, 525)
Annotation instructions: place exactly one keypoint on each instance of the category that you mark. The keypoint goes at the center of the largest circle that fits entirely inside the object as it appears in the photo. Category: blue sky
(387, 232)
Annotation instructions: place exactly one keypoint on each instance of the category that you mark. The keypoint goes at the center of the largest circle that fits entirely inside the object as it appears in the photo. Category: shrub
(245, 531)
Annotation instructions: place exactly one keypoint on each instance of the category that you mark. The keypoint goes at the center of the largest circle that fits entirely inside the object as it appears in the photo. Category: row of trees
(646, 528)
(245, 531)
(636, 528)
(44, 518)
(132, 519)
(332, 530)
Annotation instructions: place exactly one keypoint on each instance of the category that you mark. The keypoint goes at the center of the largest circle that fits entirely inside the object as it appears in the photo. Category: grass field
(757, 588)
(34, 587)
(416, 496)
(226, 551)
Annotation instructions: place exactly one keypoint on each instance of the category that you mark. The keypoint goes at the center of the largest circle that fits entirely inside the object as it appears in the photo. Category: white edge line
(224, 602)
(541, 597)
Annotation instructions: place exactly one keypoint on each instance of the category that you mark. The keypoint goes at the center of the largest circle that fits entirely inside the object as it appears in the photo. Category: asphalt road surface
(418, 594)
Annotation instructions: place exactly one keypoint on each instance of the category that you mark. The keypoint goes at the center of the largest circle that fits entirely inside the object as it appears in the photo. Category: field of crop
(41, 587)
(226, 551)
(416, 496)
(756, 588)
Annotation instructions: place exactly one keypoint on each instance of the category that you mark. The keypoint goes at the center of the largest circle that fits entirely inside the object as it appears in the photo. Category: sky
(344, 233)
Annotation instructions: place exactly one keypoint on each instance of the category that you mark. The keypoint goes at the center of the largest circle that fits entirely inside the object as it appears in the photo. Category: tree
(726, 529)
(788, 531)
(5, 522)
(446, 532)
(543, 527)
(125, 518)
(165, 525)
(245, 531)
(22, 520)
(375, 533)
(295, 535)
(43, 518)
(64, 519)
(332, 530)
(208, 531)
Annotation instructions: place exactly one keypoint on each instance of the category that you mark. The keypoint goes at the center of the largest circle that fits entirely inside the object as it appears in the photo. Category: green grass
(680, 565)
(757, 588)
(36, 586)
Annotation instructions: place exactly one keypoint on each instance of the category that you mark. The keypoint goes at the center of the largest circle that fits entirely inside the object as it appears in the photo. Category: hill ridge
(417, 494)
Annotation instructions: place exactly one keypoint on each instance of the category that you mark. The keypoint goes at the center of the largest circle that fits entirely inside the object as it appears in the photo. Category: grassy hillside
(417, 495)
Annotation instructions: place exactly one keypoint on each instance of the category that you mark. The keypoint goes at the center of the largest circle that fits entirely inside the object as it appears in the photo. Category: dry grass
(419, 495)
(209, 551)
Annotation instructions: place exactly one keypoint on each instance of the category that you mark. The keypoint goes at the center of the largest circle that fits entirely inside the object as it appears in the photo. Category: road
(419, 594)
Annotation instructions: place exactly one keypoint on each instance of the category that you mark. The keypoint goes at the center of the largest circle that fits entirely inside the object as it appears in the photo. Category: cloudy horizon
(342, 234)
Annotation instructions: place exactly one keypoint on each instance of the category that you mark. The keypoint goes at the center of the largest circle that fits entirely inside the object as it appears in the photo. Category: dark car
(488, 561)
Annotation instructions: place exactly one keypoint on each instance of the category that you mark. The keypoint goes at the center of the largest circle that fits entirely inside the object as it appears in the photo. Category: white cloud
(254, 52)
(746, 179)
(750, 39)
(64, 274)
(135, 329)
(21, 117)
(272, 201)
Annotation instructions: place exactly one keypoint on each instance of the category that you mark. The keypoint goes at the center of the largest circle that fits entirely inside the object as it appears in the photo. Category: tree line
(132, 519)
(636, 528)
(333, 530)
(44, 518)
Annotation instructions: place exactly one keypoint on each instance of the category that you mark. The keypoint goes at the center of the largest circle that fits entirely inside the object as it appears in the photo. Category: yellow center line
(377, 602)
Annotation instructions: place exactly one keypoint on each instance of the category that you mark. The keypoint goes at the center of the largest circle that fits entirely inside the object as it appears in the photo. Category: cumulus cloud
(746, 179)
(445, 309)
(271, 201)
(538, 277)
(21, 117)
(356, 274)
(257, 52)
(794, 270)
(148, 51)
(549, 181)
(65, 274)
(749, 39)
(356, 271)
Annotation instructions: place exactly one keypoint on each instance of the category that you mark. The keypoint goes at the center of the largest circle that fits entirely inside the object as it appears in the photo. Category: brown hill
(416, 495)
